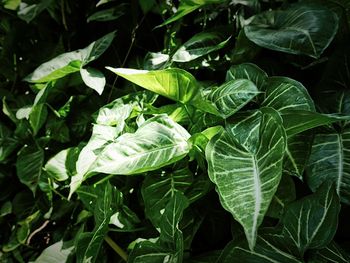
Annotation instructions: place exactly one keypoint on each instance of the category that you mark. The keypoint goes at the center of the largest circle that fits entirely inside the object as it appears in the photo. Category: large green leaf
(28, 12)
(330, 160)
(158, 142)
(158, 189)
(297, 121)
(300, 29)
(29, 166)
(285, 94)
(247, 71)
(245, 163)
(175, 84)
(201, 44)
(70, 62)
(311, 223)
(232, 96)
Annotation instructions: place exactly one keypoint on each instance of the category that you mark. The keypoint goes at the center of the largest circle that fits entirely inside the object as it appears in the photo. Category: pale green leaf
(93, 78)
(245, 163)
(70, 62)
(175, 84)
(54, 253)
(157, 143)
(300, 29)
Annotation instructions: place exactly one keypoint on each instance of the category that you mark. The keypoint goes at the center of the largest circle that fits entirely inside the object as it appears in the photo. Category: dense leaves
(174, 131)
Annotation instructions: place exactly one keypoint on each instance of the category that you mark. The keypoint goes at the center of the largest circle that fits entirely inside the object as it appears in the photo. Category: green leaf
(62, 166)
(264, 252)
(70, 62)
(287, 94)
(245, 163)
(109, 14)
(300, 29)
(245, 50)
(54, 253)
(169, 246)
(247, 71)
(175, 84)
(89, 243)
(157, 143)
(331, 253)
(29, 166)
(311, 223)
(93, 78)
(201, 44)
(37, 117)
(232, 96)
(28, 12)
(330, 160)
(285, 194)
(297, 121)
(188, 6)
(6, 209)
(11, 4)
(8, 143)
(158, 189)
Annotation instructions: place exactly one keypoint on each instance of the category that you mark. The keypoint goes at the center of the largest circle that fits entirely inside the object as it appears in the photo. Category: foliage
(174, 131)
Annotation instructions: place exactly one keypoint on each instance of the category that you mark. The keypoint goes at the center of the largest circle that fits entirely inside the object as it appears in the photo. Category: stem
(133, 38)
(116, 248)
(64, 21)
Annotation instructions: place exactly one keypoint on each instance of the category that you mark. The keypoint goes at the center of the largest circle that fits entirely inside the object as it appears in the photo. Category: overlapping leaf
(158, 142)
(245, 163)
(248, 71)
(232, 96)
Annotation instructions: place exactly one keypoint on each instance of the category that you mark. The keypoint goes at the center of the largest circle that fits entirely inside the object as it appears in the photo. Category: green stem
(116, 248)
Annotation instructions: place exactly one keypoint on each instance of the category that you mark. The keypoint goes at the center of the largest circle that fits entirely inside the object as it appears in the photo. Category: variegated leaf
(158, 142)
(330, 160)
(245, 163)
(232, 96)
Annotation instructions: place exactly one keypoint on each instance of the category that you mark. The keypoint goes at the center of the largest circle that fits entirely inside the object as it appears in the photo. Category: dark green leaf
(200, 45)
(247, 71)
(300, 29)
(29, 166)
(330, 160)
